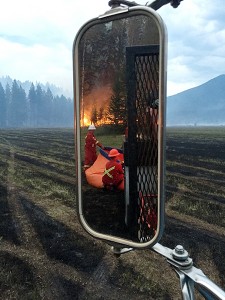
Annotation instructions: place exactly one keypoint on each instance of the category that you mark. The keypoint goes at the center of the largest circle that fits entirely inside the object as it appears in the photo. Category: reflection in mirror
(118, 109)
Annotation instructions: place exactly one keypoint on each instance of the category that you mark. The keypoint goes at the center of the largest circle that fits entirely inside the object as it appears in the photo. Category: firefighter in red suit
(113, 174)
(90, 147)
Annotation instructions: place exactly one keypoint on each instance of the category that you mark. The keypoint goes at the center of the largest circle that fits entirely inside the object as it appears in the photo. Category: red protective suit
(113, 174)
(90, 149)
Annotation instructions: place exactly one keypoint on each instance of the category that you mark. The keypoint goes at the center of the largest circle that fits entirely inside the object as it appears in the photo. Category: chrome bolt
(179, 253)
(179, 249)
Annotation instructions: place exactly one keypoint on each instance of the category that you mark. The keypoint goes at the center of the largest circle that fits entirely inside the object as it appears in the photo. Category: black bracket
(154, 5)
(123, 2)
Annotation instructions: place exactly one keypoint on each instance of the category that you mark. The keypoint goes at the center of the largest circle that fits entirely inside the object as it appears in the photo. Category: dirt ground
(46, 257)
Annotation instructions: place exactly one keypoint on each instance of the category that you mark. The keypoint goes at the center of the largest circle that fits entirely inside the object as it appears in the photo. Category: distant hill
(26, 86)
(202, 105)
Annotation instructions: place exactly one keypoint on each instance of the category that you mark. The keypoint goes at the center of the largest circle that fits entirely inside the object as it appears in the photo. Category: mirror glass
(118, 110)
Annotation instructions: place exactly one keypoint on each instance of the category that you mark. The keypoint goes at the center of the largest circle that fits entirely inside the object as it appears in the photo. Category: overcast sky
(36, 40)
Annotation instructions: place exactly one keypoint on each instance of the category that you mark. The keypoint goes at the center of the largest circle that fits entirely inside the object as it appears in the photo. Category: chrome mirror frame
(114, 14)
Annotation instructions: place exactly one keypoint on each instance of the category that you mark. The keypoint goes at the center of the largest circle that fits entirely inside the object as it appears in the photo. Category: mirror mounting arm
(159, 3)
(189, 275)
(178, 257)
(115, 3)
(154, 5)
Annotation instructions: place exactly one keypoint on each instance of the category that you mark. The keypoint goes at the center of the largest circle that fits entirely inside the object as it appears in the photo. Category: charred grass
(195, 166)
(44, 252)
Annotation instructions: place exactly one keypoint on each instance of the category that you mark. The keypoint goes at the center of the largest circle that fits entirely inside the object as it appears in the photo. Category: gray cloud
(196, 35)
(38, 40)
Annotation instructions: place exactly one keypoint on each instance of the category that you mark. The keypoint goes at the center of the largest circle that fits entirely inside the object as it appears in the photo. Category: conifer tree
(48, 103)
(33, 106)
(18, 106)
(117, 106)
(94, 116)
(40, 105)
(2, 107)
(8, 96)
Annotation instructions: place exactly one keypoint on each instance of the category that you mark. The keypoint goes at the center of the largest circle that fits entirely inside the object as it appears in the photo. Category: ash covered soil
(46, 255)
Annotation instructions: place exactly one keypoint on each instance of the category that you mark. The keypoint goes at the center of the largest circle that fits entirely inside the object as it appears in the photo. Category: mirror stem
(118, 251)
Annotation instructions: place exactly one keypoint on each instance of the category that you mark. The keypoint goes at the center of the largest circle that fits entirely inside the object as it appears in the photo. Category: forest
(37, 108)
(103, 68)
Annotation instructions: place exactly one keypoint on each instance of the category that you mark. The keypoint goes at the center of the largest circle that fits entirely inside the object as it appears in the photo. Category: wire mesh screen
(142, 144)
(146, 70)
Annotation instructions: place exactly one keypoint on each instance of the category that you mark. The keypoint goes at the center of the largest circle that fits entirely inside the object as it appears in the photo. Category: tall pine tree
(3, 107)
(33, 106)
(17, 106)
(8, 96)
(117, 106)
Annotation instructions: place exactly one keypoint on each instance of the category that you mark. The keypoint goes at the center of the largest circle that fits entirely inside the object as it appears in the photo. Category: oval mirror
(119, 62)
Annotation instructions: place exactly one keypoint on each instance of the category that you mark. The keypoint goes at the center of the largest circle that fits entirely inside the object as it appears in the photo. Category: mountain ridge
(201, 105)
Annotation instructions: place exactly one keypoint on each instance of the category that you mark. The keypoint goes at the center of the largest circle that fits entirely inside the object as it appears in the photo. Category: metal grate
(142, 107)
(146, 70)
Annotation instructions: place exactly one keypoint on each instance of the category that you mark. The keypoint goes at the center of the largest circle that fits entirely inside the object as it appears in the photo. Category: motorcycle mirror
(119, 66)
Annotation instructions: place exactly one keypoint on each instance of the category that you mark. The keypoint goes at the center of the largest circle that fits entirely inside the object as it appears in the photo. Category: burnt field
(44, 252)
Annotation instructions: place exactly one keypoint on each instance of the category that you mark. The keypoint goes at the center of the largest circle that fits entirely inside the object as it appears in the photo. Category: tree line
(103, 64)
(37, 108)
